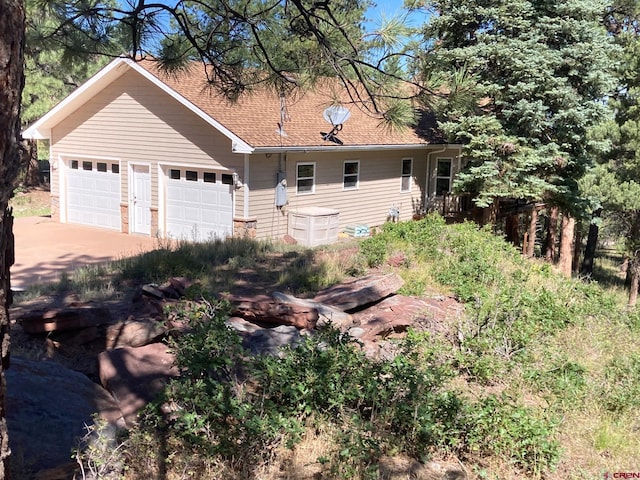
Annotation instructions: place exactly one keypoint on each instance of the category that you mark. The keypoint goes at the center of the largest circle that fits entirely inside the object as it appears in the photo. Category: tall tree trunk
(533, 227)
(633, 265)
(577, 247)
(634, 275)
(12, 24)
(592, 243)
(552, 235)
(566, 244)
(31, 164)
(511, 229)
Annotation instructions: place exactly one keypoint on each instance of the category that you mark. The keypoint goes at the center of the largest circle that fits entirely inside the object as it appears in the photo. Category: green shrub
(231, 405)
(565, 380)
(374, 250)
(500, 427)
(621, 390)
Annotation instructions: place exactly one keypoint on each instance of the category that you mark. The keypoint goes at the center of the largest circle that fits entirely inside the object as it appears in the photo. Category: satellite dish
(336, 114)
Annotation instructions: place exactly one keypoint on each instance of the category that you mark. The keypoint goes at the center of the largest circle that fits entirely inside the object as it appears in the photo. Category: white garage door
(199, 204)
(93, 193)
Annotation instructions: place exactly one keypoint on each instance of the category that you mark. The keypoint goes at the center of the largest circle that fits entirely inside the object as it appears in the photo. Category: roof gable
(252, 122)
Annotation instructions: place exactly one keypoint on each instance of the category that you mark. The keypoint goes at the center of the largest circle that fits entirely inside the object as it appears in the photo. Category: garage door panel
(198, 210)
(93, 198)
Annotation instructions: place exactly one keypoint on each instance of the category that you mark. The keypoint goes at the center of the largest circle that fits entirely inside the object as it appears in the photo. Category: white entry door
(141, 199)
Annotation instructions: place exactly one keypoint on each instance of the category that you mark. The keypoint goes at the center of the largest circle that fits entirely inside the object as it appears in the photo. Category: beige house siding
(135, 122)
(270, 220)
(379, 187)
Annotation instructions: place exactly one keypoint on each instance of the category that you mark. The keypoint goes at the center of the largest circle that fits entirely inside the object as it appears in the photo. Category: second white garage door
(93, 193)
(199, 204)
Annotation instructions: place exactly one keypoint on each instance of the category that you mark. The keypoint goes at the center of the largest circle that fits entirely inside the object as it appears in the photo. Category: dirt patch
(32, 202)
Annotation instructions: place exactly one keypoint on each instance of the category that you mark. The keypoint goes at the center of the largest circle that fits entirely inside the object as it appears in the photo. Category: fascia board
(355, 148)
(41, 129)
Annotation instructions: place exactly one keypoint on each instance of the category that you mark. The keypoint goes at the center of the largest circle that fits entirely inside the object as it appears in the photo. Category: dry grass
(593, 440)
(31, 203)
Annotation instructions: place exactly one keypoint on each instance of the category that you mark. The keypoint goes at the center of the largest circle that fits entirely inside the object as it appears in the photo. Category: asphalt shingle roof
(255, 116)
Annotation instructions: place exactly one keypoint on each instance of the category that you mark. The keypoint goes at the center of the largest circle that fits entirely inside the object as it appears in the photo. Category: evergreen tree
(51, 71)
(525, 81)
(615, 183)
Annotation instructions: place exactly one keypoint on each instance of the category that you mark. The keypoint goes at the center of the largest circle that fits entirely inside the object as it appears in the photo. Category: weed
(503, 428)
(621, 390)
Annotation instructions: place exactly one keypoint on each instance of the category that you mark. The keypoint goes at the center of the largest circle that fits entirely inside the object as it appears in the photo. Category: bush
(231, 405)
(500, 427)
(621, 390)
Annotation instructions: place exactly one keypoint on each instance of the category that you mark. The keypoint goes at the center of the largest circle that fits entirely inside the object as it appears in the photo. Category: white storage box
(312, 226)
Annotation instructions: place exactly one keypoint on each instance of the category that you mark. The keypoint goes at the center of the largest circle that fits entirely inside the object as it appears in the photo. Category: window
(174, 174)
(407, 170)
(443, 176)
(191, 176)
(351, 175)
(102, 167)
(87, 166)
(209, 177)
(227, 179)
(74, 164)
(115, 168)
(305, 178)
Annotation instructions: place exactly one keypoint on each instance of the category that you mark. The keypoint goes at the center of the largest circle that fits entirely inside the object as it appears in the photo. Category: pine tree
(535, 75)
(615, 183)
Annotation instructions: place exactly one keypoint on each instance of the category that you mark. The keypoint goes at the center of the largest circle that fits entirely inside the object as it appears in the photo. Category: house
(147, 153)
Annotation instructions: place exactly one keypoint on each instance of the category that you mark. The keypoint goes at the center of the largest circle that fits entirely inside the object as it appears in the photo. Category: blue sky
(390, 8)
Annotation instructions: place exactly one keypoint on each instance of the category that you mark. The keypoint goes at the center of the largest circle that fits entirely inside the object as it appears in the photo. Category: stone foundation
(245, 227)
(155, 230)
(55, 207)
(124, 218)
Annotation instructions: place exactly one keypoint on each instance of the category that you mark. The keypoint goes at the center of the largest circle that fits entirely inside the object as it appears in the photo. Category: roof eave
(42, 128)
(352, 148)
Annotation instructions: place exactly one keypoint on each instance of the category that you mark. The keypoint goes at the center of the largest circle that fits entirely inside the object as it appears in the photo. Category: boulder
(66, 318)
(264, 309)
(135, 376)
(395, 313)
(134, 332)
(326, 313)
(360, 292)
(269, 341)
(47, 408)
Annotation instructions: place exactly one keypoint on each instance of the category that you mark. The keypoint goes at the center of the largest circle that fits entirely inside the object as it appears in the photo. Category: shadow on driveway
(45, 249)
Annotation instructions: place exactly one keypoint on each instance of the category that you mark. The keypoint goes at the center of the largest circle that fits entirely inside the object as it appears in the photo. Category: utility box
(312, 226)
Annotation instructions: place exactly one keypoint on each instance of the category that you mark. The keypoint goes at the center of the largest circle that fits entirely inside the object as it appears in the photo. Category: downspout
(245, 212)
(429, 172)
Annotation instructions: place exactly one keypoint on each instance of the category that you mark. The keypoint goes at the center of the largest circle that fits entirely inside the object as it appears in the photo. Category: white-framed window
(305, 178)
(351, 175)
(405, 174)
(444, 170)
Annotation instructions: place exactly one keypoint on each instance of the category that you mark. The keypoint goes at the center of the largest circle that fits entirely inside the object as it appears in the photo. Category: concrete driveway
(45, 249)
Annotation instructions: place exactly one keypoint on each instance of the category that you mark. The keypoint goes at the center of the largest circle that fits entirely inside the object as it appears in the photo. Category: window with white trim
(407, 170)
(305, 178)
(351, 175)
(443, 176)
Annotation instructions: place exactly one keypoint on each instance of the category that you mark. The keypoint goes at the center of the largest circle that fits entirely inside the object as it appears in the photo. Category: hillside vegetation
(540, 379)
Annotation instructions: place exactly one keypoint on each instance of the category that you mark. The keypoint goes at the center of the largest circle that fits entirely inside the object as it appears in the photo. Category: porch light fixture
(236, 180)
(336, 115)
